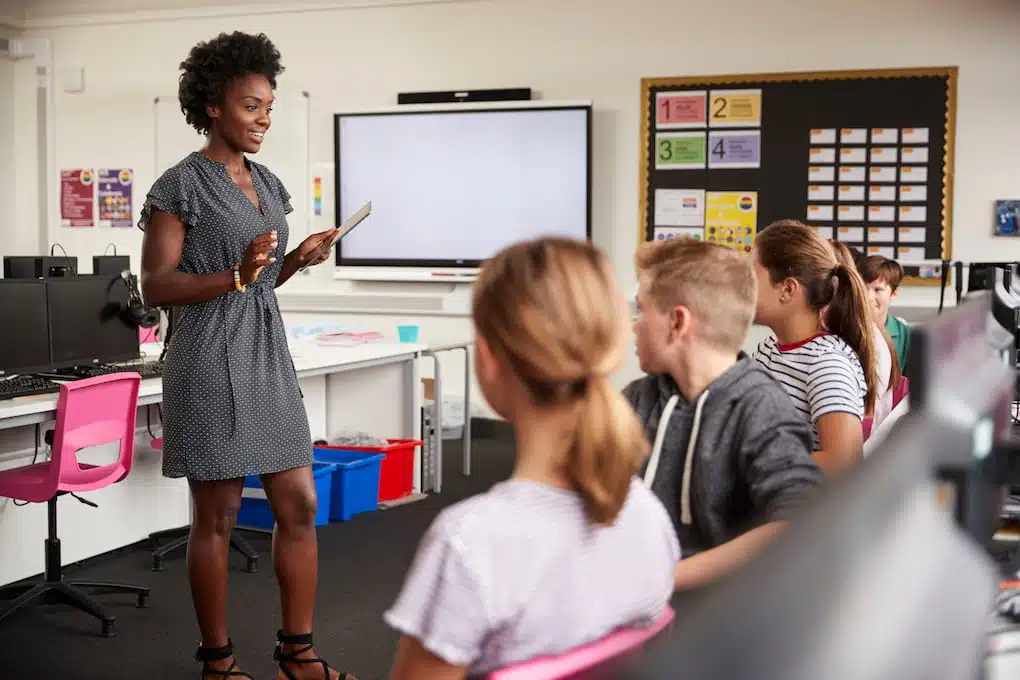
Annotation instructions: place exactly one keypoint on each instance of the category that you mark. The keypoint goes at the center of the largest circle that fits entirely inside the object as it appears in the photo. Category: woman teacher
(215, 237)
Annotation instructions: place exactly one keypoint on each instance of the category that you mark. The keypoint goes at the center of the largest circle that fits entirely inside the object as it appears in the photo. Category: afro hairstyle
(212, 65)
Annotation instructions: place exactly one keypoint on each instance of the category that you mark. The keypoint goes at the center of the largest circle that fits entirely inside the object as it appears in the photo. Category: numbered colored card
(734, 108)
(674, 110)
(679, 150)
(734, 149)
(731, 218)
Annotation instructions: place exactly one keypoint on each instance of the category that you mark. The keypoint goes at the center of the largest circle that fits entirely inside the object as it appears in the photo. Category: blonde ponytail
(552, 310)
(608, 449)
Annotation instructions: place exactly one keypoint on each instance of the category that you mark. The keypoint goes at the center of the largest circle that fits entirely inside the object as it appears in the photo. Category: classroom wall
(7, 167)
(565, 50)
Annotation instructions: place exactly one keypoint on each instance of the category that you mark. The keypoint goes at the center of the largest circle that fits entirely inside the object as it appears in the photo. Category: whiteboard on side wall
(285, 151)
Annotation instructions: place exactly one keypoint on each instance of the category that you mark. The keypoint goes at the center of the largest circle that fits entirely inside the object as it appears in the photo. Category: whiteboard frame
(417, 273)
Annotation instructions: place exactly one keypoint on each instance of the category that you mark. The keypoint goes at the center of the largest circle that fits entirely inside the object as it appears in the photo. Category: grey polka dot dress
(231, 402)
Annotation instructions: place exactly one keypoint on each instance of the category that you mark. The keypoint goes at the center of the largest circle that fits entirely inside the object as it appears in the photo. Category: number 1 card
(677, 110)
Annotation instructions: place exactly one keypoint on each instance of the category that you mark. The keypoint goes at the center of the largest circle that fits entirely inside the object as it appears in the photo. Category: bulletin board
(865, 157)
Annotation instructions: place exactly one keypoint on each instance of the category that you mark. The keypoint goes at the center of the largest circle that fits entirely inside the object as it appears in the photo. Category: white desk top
(310, 359)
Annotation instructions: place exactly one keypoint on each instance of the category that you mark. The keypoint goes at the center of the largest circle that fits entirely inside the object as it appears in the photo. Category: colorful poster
(734, 108)
(77, 198)
(680, 207)
(1007, 218)
(731, 218)
(675, 110)
(732, 149)
(115, 202)
(317, 196)
(680, 151)
(663, 233)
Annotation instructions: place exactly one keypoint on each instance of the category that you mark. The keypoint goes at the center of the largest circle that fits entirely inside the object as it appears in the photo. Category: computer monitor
(872, 581)
(1006, 311)
(981, 275)
(87, 321)
(24, 330)
(960, 376)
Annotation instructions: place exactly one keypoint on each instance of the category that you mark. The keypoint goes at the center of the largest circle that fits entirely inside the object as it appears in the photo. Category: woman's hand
(314, 249)
(257, 256)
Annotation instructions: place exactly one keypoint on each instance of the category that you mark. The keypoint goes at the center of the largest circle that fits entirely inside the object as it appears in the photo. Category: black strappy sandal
(206, 654)
(282, 657)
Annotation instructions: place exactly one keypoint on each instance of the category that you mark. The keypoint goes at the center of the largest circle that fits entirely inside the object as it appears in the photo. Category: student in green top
(883, 277)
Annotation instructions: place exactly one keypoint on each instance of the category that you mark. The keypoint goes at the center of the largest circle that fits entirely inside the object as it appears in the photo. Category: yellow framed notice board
(865, 157)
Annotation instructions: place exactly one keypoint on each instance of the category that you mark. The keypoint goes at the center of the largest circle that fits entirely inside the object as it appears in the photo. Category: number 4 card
(734, 149)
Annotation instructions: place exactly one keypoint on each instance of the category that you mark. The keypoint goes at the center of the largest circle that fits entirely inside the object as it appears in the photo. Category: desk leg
(412, 413)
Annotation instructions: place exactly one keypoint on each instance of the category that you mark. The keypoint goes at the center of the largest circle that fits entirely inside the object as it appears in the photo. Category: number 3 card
(734, 149)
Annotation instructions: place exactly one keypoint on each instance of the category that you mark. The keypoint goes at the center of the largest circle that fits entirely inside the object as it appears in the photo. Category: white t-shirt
(822, 375)
(519, 572)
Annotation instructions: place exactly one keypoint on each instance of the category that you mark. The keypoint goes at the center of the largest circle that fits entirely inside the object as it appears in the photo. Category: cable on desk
(35, 457)
(148, 421)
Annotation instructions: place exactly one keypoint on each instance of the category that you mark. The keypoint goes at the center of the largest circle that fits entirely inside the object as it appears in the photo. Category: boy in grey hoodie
(731, 456)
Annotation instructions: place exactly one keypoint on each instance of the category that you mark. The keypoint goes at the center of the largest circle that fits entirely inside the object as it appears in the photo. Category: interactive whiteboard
(452, 185)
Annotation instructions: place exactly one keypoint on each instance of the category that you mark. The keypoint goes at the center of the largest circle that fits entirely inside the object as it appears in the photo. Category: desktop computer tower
(39, 266)
(110, 265)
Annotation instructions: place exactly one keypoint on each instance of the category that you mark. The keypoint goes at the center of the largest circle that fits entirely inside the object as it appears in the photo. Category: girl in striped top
(817, 357)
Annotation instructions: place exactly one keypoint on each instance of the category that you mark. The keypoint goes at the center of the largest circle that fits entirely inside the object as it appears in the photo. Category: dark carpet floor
(361, 567)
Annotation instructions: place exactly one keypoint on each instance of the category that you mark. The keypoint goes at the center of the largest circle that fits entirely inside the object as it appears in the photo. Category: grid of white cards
(868, 188)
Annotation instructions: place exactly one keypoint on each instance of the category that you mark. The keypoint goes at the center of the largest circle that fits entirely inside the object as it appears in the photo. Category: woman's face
(242, 120)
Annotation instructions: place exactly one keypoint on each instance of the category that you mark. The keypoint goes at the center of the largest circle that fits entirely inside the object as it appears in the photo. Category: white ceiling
(21, 10)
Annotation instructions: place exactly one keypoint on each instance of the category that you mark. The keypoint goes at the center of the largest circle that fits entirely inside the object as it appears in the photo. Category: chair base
(180, 536)
(61, 592)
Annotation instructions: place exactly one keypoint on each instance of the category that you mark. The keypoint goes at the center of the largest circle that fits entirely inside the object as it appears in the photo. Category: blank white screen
(460, 186)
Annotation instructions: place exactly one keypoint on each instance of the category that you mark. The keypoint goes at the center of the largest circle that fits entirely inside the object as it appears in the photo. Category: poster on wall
(115, 187)
(77, 198)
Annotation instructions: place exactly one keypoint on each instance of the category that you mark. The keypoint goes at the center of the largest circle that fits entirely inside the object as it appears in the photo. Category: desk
(373, 387)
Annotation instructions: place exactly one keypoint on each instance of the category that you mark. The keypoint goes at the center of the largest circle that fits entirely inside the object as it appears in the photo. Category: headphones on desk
(135, 311)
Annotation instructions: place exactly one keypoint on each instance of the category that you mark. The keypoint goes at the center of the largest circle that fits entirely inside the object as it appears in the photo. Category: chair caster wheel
(252, 567)
(143, 600)
(108, 628)
(157, 564)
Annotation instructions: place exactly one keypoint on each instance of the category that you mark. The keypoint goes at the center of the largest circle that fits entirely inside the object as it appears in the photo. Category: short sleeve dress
(231, 402)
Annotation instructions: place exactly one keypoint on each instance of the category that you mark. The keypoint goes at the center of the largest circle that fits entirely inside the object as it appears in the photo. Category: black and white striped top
(822, 375)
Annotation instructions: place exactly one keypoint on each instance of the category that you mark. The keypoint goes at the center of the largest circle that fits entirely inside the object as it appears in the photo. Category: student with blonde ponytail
(573, 545)
(818, 310)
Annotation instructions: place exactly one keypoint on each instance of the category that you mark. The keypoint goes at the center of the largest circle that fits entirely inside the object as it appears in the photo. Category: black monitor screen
(24, 333)
(87, 322)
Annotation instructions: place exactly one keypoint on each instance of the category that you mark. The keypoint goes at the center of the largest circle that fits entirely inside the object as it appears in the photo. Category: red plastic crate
(396, 479)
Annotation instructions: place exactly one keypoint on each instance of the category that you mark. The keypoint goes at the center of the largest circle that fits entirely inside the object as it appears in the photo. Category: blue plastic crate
(255, 511)
(355, 487)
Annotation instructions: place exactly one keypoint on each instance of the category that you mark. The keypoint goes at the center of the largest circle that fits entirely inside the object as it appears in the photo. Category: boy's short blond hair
(715, 283)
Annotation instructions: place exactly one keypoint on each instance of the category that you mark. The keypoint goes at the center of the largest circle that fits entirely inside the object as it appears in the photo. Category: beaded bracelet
(237, 279)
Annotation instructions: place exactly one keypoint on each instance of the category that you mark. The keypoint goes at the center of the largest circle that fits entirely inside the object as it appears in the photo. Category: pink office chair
(901, 390)
(90, 412)
(589, 657)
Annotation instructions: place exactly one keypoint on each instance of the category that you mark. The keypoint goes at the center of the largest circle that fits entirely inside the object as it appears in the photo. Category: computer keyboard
(146, 369)
(26, 386)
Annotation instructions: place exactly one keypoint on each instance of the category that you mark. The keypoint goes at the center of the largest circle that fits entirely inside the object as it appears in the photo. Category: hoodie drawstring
(692, 442)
